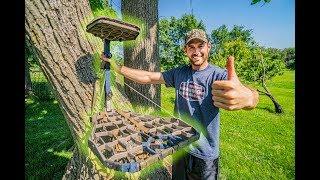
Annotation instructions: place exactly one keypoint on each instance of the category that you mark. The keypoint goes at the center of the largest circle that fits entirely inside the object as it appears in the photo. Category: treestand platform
(128, 142)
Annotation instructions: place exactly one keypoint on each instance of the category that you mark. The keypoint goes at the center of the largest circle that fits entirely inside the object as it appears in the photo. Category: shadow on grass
(41, 91)
(48, 140)
(267, 108)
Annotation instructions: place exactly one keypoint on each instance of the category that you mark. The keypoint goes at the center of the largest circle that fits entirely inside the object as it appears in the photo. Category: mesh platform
(112, 29)
(126, 141)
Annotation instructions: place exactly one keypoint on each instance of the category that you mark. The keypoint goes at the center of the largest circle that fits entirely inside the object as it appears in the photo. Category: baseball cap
(196, 34)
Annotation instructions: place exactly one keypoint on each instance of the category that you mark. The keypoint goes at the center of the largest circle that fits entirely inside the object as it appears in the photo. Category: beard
(197, 60)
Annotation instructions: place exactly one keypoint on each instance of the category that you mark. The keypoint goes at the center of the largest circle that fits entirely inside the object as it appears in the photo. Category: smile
(197, 58)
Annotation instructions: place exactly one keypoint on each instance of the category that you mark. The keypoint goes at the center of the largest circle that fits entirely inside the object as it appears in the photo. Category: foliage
(171, 38)
(249, 57)
(256, 1)
(222, 35)
(274, 63)
(270, 62)
(249, 61)
(30, 59)
(102, 8)
(289, 57)
(239, 49)
(41, 89)
(98, 4)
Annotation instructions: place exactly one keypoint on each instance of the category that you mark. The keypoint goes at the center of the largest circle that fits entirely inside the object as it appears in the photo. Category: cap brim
(204, 40)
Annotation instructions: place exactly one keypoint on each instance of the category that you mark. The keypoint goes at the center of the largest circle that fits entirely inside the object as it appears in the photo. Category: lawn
(48, 140)
(257, 144)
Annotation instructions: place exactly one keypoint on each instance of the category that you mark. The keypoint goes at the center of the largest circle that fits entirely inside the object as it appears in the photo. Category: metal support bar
(108, 92)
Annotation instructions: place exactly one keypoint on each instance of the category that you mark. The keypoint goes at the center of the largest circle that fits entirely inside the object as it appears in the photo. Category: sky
(273, 24)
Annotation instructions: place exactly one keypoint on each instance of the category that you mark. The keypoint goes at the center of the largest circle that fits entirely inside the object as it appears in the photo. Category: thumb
(230, 68)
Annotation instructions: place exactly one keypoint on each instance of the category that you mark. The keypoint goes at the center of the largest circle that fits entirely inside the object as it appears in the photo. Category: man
(201, 89)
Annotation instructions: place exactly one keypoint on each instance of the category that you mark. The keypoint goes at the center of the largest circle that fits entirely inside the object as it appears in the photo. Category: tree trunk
(144, 53)
(55, 32)
(277, 106)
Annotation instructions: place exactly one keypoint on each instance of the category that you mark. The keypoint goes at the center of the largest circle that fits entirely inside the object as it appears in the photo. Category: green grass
(257, 144)
(47, 140)
(47, 136)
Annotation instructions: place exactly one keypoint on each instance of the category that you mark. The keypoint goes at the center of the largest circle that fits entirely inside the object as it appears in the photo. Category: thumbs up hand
(231, 94)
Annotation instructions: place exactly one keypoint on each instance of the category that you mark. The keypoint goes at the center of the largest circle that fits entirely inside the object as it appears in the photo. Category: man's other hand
(104, 58)
(115, 67)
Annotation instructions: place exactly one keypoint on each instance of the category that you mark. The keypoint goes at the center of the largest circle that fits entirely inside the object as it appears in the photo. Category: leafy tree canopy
(222, 35)
(290, 56)
(250, 57)
(171, 39)
(257, 1)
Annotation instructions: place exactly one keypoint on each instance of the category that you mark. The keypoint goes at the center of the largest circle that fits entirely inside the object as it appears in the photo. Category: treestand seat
(112, 29)
(127, 141)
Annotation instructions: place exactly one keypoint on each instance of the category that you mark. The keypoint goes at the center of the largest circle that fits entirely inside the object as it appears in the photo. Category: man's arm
(139, 76)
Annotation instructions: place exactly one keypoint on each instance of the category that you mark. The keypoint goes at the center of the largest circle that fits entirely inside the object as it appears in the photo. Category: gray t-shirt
(194, 100)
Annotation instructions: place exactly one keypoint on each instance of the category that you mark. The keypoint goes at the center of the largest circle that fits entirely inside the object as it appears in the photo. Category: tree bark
(144, 54)
(277, 106)
(55, 32)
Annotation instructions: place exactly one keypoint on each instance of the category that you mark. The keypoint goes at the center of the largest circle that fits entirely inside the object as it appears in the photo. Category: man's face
(197, 52)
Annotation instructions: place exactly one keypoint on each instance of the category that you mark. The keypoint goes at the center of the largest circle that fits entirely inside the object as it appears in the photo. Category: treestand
(123, 140)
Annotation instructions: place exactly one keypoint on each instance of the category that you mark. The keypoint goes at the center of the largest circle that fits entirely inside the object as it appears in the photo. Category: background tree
(272, 64)
(222, 34)
(28, 85)
(142, 53)
(35, 86)
(257, 1)
(289, 57)
(253, 63)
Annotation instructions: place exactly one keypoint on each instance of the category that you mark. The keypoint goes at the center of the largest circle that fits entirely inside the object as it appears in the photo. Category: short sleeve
(169, 77)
